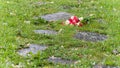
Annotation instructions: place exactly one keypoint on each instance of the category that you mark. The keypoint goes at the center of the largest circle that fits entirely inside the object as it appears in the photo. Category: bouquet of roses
(74, 20)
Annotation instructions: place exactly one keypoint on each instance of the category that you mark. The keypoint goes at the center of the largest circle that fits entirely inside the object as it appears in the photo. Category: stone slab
(46, 32)
(90, 36)
(58, 60)
(33, 48)
(56, 16)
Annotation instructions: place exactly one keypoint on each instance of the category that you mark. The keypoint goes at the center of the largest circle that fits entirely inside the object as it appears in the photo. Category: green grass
(15, 32)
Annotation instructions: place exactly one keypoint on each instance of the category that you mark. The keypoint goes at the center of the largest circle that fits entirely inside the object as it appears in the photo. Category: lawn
(17, 24)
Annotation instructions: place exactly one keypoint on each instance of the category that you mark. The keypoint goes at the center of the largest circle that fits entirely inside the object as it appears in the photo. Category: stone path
(34, 48)
(56, 16)
(46, 32)
(90, 36)
(58, 60)
(87, 36)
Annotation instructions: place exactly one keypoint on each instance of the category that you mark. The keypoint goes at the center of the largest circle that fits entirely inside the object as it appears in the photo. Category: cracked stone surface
(103, 66)
(33, 48)
(90, 36)
(60, 60)
(56, 16)
(46, 32)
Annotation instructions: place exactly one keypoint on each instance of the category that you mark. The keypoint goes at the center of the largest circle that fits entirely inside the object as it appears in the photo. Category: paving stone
(103, 66)
(56, 16)
(33, 48)
(46, 32)
(90, 36)
(57, 60)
